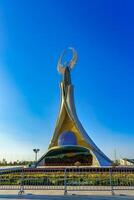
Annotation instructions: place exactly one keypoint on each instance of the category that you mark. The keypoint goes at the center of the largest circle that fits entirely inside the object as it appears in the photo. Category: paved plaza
(76, 195)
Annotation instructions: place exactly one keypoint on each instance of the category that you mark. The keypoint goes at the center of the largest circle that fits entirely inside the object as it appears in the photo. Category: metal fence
(68, 179)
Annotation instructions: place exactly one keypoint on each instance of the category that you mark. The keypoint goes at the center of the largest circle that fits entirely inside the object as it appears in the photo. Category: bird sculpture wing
(60, 68)
(74, 59)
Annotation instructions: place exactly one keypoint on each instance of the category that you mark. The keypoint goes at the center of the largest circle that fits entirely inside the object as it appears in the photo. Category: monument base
(68, 156)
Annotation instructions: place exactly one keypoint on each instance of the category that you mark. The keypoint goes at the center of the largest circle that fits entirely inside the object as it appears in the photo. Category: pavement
(59, 195)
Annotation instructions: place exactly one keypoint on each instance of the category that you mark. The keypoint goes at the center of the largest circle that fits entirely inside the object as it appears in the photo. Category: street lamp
(36, 152)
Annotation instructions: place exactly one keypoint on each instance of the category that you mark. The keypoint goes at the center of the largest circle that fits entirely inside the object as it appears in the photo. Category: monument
(70, 143)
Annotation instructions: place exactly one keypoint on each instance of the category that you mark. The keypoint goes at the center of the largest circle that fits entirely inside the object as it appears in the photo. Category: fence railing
(68, 179)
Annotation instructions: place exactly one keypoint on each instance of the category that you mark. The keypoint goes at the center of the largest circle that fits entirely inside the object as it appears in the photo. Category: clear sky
(32, 35)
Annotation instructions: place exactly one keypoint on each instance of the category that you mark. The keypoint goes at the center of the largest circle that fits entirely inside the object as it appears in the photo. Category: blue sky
(32, 35)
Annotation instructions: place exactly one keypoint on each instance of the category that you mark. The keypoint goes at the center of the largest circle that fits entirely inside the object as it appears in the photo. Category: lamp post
(36, 152)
